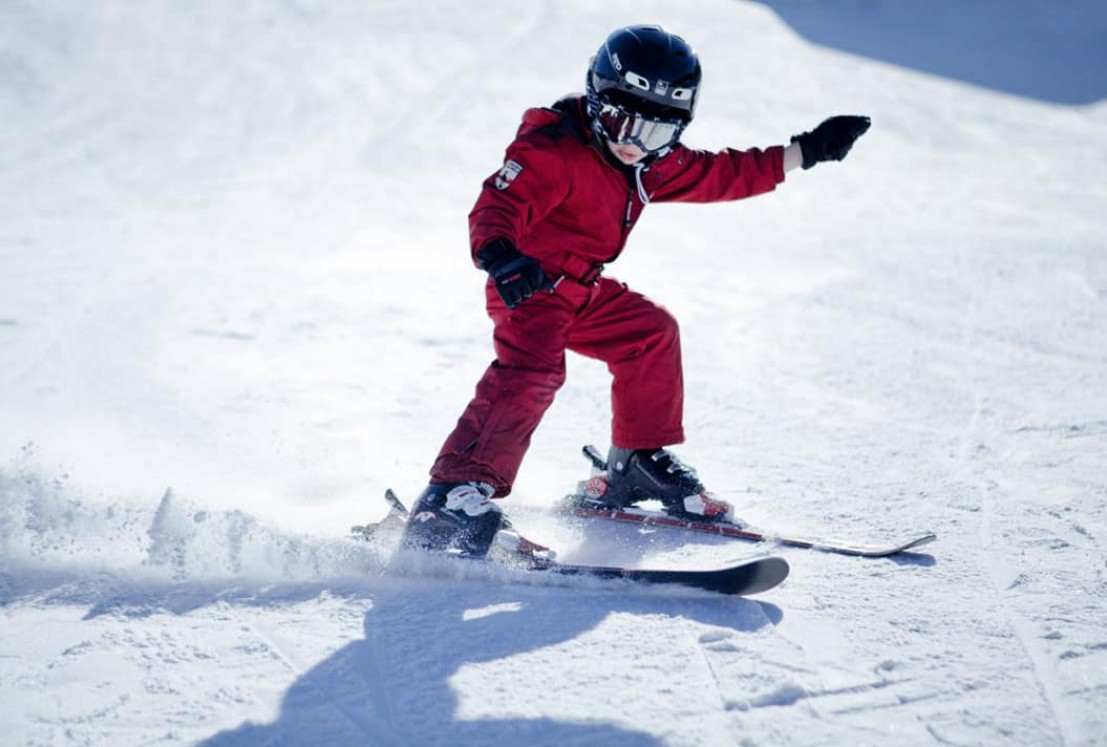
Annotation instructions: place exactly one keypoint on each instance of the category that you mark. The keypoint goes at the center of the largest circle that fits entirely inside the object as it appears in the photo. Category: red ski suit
(566, 203)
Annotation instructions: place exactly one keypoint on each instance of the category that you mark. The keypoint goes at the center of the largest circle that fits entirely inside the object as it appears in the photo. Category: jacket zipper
(645, 198)
(642, 196)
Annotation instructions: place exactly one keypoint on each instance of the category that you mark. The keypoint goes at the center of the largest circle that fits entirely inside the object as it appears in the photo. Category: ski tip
(904, 548)
(925, 539)
(771, 572)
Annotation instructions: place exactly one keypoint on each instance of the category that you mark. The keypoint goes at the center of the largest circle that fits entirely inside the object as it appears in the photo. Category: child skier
(573, 184)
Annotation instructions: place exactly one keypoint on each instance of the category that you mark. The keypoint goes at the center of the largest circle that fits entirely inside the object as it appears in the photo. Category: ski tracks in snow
(1017, 546)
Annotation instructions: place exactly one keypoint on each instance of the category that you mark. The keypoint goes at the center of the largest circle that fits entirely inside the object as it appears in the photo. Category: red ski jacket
(563, 201)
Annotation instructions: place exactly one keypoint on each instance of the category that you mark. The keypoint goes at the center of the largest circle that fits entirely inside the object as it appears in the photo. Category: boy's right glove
(832, 139)
(517, 277)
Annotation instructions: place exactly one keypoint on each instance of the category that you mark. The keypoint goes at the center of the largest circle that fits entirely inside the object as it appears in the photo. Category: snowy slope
(237, 306)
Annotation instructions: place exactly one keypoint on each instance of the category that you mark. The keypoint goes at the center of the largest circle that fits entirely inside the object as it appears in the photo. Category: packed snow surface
(236, 305)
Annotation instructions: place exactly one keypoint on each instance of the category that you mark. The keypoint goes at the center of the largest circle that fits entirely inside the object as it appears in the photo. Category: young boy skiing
(574, 182)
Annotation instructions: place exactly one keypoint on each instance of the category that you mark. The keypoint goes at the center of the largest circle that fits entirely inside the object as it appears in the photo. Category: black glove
(831, 140)
(517, 276)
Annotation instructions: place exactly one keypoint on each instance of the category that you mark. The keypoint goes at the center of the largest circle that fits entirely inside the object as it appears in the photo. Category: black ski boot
(458, 517)
(641, 474)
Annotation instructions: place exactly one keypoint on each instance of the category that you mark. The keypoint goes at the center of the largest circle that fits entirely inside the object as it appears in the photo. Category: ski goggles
(623, 126)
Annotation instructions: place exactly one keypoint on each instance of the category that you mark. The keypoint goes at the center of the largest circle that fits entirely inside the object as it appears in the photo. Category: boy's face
(626, 153)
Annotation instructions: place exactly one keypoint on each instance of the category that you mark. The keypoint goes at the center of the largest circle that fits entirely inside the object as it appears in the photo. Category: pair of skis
(747, 576)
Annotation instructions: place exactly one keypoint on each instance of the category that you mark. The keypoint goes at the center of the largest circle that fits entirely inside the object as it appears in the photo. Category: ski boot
(454, 517)
(641, 474)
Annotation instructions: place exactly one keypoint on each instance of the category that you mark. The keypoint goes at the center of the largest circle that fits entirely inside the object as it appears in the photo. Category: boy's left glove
(832, 139)
(517, 277)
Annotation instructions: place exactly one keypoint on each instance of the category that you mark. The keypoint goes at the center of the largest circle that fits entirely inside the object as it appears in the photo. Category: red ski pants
(637, 339)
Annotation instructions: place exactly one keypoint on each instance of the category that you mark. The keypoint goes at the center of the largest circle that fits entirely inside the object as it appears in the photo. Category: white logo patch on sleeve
(507, 175)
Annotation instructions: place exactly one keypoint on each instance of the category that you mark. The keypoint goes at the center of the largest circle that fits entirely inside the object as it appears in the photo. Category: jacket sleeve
(700, 176)
(531, 183)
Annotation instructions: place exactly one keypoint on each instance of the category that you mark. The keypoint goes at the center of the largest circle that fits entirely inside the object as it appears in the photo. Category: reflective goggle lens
(623, 126)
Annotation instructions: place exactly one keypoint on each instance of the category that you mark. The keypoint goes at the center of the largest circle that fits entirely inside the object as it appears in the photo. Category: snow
(236, 306)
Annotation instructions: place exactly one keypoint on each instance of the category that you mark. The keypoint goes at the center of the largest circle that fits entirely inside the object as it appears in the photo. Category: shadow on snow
(394, 686)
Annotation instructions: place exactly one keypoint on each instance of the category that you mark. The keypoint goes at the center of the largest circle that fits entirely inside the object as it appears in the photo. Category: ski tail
(595, 457)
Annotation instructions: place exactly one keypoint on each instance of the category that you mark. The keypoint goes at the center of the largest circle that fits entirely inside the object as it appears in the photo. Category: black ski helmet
(645, 70)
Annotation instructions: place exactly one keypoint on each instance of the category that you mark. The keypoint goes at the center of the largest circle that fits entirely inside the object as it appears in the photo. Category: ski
(578, 505)
(739, 578)
(515, 552)
(726, 529)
